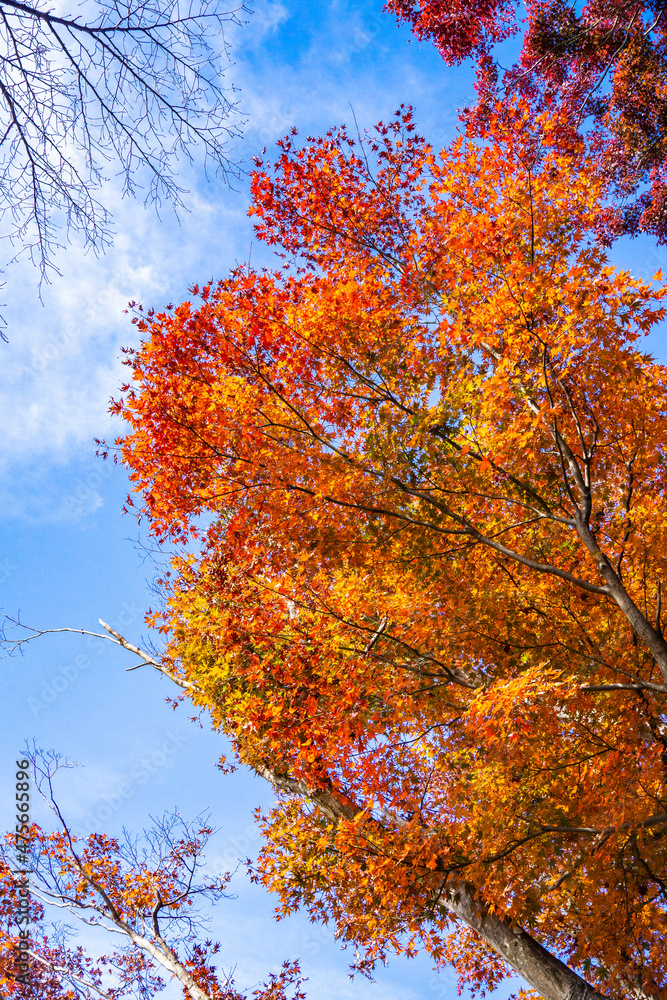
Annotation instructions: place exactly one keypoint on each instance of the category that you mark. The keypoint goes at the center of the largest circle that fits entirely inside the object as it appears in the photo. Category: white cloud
(260, 22)
(64, 359)
(294, 66)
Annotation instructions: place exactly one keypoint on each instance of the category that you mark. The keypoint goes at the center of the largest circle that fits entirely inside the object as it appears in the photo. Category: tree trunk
(543, 971)
(550, 977)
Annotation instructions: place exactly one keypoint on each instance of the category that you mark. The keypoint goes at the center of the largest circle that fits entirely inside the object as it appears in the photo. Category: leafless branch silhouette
(119, 88)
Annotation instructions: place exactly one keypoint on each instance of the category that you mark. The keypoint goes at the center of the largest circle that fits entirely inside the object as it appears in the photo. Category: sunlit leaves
(430, 452)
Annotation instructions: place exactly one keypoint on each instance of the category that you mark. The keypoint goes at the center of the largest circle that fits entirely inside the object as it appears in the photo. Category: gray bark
(550, 977)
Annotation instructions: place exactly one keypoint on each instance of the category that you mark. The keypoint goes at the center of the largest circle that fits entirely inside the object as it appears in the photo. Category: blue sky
(68, 557)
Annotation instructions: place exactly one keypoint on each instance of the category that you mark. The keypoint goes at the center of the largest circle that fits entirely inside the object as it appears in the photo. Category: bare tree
(115, 87)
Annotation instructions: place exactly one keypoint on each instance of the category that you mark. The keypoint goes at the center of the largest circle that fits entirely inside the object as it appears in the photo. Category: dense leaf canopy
(602, 63)
(427, 458)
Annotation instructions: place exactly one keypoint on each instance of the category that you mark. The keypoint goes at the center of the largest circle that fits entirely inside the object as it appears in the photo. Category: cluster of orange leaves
(601, 63)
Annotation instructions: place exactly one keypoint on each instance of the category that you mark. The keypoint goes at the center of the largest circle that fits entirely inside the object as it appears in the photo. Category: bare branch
(137, 85)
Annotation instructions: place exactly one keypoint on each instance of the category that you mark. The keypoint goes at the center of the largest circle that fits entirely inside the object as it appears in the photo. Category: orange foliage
(147, 892)
(431, 454)
(602, 63)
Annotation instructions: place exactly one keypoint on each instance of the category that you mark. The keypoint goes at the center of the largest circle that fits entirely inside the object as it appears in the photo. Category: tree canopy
(425, 459)
(147, 891)
(602, 63)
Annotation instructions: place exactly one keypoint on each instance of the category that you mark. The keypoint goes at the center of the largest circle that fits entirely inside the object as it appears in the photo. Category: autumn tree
(426, 461)
(603, 63)
(147, 893)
